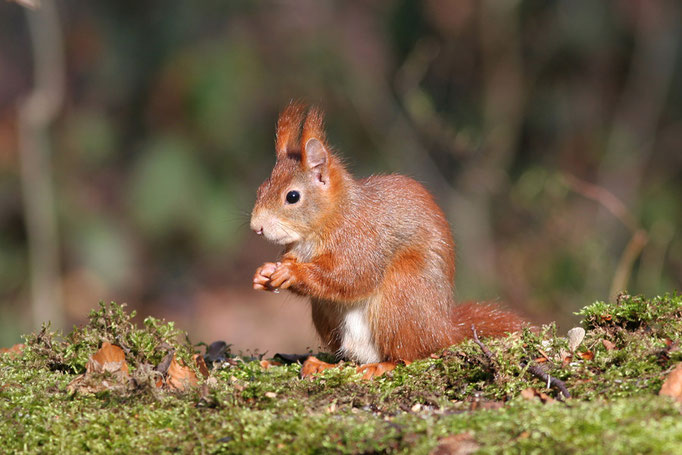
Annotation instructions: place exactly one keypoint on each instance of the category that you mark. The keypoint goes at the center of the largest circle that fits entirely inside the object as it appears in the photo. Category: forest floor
(113, 387)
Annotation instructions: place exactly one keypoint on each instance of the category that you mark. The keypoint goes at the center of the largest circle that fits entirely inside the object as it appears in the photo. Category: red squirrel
(375, 255)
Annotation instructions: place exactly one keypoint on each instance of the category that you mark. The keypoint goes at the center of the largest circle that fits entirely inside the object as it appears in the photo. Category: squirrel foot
(374, 370)
(313, 365)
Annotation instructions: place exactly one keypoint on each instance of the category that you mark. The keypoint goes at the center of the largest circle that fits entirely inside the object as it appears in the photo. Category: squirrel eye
(293, 197)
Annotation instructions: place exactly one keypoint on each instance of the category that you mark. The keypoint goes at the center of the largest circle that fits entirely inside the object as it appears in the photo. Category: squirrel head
(293, 204)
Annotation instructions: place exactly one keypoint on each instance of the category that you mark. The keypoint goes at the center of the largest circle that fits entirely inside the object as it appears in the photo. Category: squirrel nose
(259, 231)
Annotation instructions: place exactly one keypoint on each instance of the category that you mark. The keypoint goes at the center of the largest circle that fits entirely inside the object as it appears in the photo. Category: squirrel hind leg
(411, 319)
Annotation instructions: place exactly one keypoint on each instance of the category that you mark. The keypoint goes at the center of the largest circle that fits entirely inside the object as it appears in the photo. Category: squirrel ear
(315, 159)
(314, 152)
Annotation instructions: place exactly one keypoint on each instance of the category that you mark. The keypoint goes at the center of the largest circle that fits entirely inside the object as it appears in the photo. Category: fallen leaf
(109, 358)
(575, 337)
(541, 360)
(544, 355)
(566, 357)
(608, 345)
(217, 352)
(458, 444)
(180, 377)
(201, 364)
(672, 386)
(271, 394)
(530, 394)
(162, 367)
(106, 370)
(587, 355)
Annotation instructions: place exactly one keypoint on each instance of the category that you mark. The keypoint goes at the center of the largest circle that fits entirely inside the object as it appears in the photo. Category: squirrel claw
(374, 370)
(262, 277)
(283, 276)
(313, 365)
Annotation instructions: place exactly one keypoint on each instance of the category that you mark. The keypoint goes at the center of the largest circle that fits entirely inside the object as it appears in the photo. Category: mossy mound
(460, 399)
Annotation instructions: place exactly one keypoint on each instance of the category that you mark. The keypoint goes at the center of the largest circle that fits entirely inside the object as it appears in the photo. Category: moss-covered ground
(458, 401)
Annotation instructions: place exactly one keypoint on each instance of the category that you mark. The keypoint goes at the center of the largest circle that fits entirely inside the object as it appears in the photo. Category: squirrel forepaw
(283, 276)
(261, 279)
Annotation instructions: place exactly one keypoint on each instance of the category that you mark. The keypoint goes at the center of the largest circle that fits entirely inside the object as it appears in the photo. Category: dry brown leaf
(672, 386)
(587, 355)
(566, 357)
(530, 394)
(608, 345)
(201, 364)
(180, 377)
(108, 359)
(544, 355)
(458, 444)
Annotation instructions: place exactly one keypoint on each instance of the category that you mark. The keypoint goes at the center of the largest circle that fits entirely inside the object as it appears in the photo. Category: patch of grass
(245, 408)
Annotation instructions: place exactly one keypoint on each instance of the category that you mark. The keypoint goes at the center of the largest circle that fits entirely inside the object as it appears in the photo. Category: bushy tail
(488, 318)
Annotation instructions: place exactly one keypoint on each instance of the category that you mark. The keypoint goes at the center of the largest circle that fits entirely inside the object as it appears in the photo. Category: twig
(603, 197)
(614, 205)
(533, 369)
(483, 347)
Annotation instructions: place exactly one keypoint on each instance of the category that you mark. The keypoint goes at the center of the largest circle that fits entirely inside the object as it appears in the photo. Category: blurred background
(133, 136)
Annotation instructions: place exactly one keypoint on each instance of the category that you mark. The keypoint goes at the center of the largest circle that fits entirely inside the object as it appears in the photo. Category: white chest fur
(357, 340)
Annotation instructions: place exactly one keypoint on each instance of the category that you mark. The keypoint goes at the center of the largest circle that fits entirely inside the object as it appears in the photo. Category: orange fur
(288, 128)
(313, 127)
(375, 255)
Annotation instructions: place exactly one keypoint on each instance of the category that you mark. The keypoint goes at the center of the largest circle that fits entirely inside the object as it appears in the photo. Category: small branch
(630, 254)
(603, 197)
(551, 381)
(483, 347)
(639, 237)
(533, 369)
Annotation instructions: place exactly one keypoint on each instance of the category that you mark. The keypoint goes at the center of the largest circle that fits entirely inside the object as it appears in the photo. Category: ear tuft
(289, 128)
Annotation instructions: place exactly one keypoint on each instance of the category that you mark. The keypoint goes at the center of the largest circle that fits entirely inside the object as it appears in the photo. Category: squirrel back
(375, 255)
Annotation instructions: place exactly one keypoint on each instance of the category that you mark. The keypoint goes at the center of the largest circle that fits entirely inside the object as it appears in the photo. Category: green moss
(245, 408)
(110, 323)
